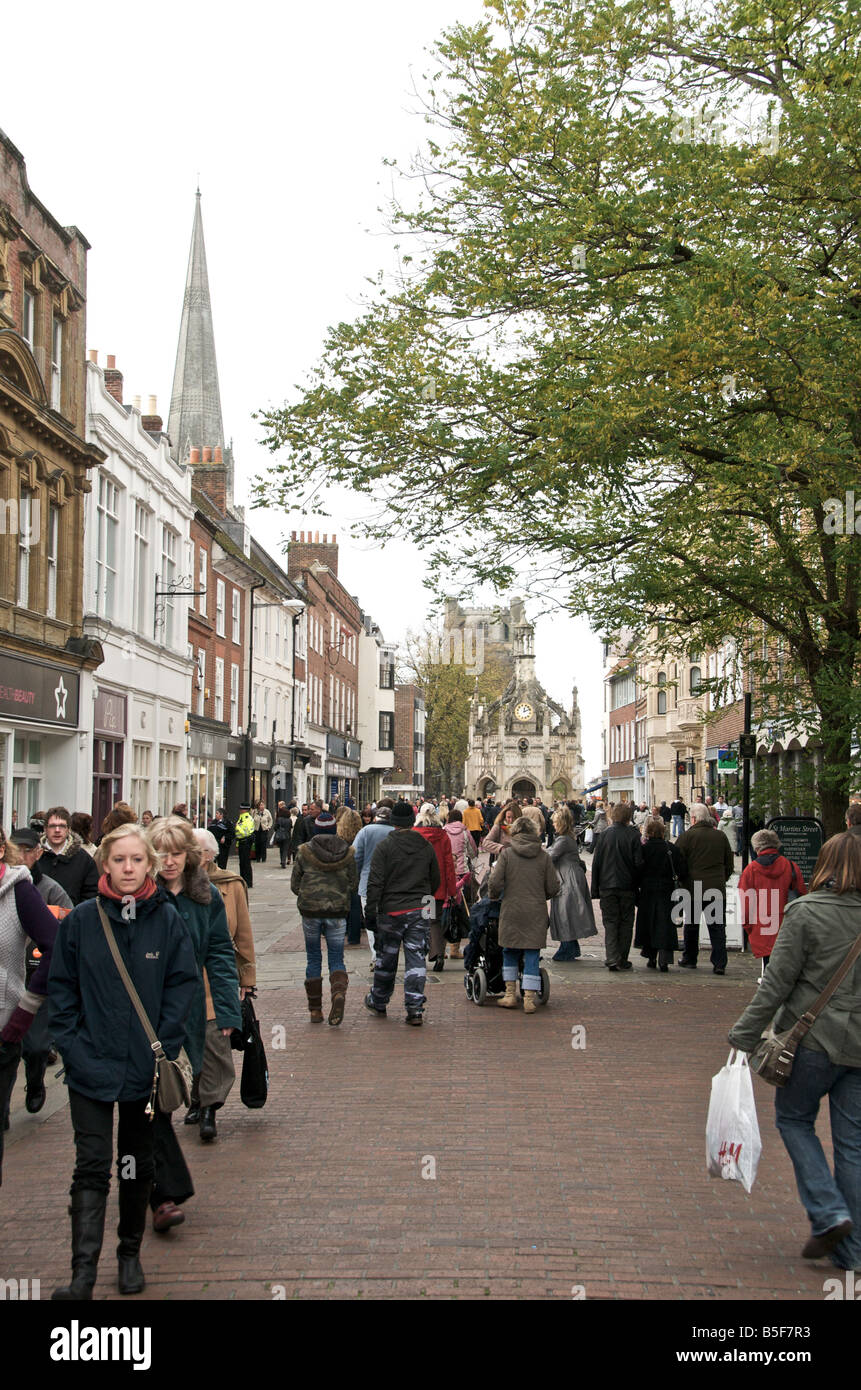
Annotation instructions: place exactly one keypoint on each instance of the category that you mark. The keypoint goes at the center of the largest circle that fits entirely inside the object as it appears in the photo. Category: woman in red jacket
(763, 891)
(429, 825)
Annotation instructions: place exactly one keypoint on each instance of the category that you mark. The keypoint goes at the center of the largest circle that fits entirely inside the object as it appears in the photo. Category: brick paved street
(555, 1167)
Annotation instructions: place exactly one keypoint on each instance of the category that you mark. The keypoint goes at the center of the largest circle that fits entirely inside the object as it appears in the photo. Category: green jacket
(708, 856)
(201, 907)
(815, 937)
(324, 877)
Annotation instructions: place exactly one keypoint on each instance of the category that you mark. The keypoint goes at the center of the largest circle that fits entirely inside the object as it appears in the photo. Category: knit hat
(403, 815)
(325, 823)
(383, 813)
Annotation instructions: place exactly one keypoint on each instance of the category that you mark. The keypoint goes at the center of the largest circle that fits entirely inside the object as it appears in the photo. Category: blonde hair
(563, 821)
(428, 816)
(126, 832)
(175, 834)
(348, 823)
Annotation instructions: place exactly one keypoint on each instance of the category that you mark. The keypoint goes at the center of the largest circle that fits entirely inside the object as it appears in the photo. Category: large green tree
(626, 334)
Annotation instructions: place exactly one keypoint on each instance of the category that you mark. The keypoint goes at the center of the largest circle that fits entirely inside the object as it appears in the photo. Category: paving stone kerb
(481, 1156)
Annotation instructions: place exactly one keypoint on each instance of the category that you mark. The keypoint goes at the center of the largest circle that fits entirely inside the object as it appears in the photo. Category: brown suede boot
(338, 982)
(314, 991)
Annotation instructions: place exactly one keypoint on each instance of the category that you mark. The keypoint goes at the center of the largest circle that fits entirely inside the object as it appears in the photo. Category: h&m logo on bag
(729, 1154)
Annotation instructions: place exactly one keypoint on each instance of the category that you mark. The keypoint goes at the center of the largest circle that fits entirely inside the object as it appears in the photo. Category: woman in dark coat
(283, 833)
(571, 913)
(657, 934)
(201, 908)
(107, 1057)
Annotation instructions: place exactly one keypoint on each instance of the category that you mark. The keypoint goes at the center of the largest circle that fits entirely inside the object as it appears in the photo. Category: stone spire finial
(195, 403)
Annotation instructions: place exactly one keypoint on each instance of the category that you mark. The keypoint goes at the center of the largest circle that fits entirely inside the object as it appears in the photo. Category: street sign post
(802, 838)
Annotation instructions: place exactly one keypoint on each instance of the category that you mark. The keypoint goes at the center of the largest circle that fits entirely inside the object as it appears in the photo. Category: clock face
(523, 711)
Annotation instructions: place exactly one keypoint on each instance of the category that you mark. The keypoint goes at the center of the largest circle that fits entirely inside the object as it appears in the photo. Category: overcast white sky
(285, 113)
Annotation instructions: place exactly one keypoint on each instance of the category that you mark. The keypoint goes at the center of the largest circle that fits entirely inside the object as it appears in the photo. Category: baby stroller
(482, 958)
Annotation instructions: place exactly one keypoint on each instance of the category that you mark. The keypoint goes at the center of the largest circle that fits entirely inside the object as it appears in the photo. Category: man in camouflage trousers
(403, 879)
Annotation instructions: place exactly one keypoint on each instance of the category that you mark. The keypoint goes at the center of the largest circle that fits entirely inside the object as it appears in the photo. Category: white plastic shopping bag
(733, 1145)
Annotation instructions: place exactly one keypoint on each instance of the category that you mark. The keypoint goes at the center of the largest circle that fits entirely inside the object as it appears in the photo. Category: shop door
(107, 779)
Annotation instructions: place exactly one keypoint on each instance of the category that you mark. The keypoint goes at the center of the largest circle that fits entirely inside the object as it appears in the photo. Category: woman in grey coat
(524, 878)
(817, 934)
(571, 914)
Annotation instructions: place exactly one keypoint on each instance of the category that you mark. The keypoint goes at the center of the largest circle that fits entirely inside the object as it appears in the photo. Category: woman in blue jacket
(108, 1059)
(201, 907)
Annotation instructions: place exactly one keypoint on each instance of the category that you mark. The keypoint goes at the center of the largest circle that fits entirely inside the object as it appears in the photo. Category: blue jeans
(828, 1200)
(678, 826)
(334, 929)
(531, 967)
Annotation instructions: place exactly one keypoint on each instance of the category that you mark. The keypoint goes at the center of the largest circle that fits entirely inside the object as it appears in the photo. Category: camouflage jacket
(324, 877)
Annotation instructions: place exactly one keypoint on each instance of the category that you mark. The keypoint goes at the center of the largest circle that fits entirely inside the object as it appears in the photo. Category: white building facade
(375, 709)
(137, 560)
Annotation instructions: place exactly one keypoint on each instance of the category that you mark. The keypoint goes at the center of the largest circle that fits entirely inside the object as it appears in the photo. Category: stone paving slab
(554, 1167)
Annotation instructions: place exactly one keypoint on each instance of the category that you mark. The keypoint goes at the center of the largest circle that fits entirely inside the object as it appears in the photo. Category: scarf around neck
(146, 890)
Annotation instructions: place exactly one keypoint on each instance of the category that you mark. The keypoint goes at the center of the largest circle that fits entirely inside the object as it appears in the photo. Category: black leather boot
(134, 1204)
(208, 1130)
(87, 1211)
(192, 1114)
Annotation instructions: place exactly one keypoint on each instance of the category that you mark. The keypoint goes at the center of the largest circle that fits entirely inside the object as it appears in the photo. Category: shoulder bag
(171, 1083)
(774, 1054)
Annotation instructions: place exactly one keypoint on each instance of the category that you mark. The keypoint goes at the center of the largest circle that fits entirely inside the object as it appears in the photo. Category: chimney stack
(152, 421)
(207, 454)
(94, 355)
(136, 402)
(218, 457)
(195, 457)
(113, 379)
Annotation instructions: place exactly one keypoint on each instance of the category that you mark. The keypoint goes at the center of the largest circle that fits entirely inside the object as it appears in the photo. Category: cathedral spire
(195, 404)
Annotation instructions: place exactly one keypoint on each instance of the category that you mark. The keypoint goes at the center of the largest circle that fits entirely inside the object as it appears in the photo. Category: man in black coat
(304, 828)
(65, 860)
(399, 904)
(616, 866)
(223, 830)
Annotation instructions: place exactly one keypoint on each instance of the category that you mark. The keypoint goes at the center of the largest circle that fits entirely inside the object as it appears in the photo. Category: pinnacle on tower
(195, 404)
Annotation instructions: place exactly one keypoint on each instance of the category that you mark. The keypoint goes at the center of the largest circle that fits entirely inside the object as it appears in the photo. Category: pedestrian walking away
(816, 936)
(363, 847)
(108, 1060)
(663, 870)
(324, 877)
(571, 914)
(428, 825)
(709, 864)
(767, 884)
(402, 882)
(616, 865)
(524, 878)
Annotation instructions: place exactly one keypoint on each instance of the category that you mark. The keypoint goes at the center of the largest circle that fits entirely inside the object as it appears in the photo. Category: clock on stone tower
(523, 711)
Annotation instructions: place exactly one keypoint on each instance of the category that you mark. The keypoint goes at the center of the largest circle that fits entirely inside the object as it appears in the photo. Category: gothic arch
(18, 365)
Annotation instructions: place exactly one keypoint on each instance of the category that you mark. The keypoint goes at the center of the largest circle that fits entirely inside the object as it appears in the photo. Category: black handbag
(254, 1082)
(455, 921)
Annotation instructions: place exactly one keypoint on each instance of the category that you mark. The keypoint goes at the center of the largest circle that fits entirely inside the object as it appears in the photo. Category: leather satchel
(171, 1083)
(774, 1054)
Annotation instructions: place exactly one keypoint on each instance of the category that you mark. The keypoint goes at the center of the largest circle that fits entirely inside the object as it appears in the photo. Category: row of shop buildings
(150, 648)
(668, 732)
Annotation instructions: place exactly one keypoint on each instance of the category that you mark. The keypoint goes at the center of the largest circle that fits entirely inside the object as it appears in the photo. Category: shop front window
(26, 779)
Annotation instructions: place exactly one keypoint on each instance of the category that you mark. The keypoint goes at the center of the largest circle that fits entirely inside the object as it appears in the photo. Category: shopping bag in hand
(254, 1082)
(733, 1145)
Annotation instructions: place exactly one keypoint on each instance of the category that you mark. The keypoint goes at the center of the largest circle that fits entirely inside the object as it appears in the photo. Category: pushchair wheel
(467, 984)
(479, 986)
(544, 992)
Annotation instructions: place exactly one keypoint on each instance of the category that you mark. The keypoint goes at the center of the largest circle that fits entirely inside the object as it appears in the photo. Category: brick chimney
(114, 379)
(304, 549)
(152, 421)
(210, 475)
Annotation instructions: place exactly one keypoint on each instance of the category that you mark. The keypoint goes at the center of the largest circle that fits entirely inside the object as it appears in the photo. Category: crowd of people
(153, 908)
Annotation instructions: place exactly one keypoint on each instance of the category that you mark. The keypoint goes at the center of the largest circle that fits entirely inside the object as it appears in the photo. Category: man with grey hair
(710, 864)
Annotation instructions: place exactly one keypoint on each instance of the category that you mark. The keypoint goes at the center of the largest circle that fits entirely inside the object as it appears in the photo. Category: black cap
(27, 839)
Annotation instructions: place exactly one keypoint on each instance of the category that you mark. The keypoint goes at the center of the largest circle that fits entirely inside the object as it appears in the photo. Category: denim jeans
(678, 826)
(334, 929)
(827, 1200)
(531, 967)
